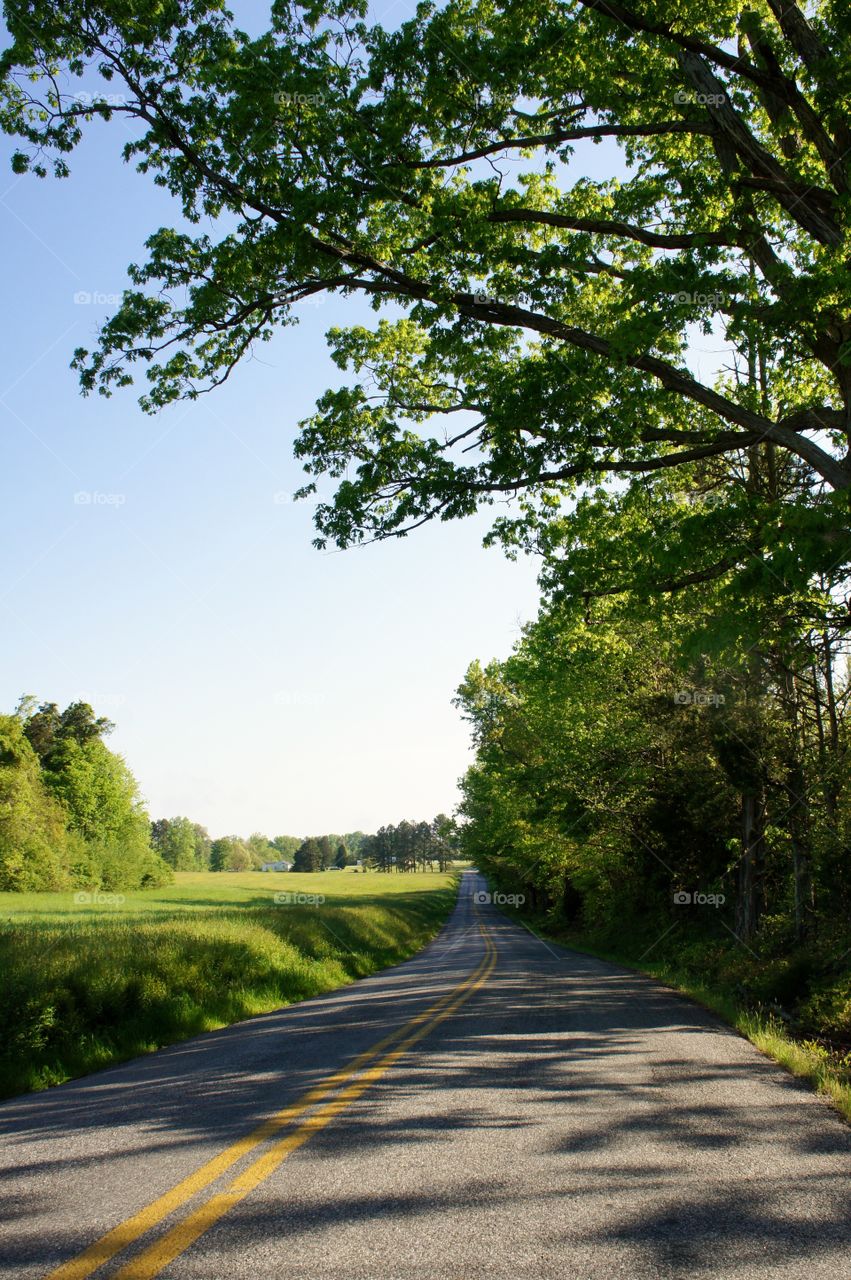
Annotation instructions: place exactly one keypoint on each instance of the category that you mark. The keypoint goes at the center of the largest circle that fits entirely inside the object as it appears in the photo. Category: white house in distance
(277, 866)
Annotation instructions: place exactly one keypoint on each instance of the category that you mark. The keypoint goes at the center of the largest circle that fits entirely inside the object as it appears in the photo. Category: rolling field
(90, 979)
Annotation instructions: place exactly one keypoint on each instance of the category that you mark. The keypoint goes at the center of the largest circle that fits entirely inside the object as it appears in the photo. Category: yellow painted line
(102, 1250)
(176, 1241)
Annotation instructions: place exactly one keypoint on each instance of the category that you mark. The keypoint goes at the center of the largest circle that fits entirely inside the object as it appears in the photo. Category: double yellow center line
(357, 1077)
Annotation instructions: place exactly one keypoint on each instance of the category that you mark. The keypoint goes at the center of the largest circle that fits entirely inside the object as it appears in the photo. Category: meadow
(91, 979)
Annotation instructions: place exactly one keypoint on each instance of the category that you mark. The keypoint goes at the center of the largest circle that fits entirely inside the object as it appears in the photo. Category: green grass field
(89, 982)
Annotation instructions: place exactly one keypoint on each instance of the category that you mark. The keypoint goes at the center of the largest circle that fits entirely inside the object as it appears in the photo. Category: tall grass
(84, 985)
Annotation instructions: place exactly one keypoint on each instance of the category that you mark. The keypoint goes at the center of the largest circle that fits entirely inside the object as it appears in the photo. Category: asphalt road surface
(496, 1107)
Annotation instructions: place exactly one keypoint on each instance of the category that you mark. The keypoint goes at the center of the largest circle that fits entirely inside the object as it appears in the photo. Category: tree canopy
(70, 809)
(537, 320)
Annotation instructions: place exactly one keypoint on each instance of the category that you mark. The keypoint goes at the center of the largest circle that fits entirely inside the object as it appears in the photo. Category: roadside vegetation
(96, 977)
(664, 790)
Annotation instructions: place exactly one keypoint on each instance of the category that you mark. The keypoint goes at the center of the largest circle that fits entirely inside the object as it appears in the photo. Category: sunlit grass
(87, 983)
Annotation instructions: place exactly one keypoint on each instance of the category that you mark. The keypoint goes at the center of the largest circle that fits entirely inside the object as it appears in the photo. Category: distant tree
(202, 845)
(260, 850)
(343, 858)
(423, 848)
(382, 848)
(219, 852)
(159, 834)
(308, 856)
(287, 846)
(367, 853)
(176, 841)
(229, 853)
(326, 853)
(444, 839)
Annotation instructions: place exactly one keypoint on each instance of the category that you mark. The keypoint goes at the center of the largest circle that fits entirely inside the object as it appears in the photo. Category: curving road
(496, 1107)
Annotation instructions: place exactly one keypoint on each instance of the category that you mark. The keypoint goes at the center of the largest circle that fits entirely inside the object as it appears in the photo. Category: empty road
(496, 1107)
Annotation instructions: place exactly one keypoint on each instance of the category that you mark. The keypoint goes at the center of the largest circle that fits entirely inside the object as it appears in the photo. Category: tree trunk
(749, 897)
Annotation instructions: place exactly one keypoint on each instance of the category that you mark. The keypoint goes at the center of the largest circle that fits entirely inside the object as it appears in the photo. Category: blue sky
(256, 683)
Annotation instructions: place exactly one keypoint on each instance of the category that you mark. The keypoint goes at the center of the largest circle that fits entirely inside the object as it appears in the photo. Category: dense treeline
(668, 771)
(412, 845)
(612, 772)
(70, 811)
(186, 846)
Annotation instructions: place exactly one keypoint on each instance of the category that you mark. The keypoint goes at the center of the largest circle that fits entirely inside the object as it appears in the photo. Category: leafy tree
(544, 314)
(308, 856)
(176, 841)
(343, 858)
(203, 845)
(260, 850)
(219, 852)
(35, 847)
(444, 831)
(326, 853)
(229, 853)
(46, 727)
(286, 846)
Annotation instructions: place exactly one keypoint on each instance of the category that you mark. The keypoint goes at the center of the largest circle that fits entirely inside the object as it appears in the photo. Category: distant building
(277, 866)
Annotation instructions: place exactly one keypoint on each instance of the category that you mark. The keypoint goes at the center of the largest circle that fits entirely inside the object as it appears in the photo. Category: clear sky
(256, 683)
